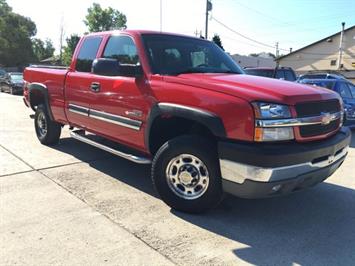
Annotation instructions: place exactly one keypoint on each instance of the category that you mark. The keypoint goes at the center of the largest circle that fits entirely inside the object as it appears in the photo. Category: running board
(133, 158)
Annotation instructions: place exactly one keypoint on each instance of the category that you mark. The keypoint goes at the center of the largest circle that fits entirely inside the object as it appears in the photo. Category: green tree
(42, 50)
(15, 37)
(69, 49)
(99, 19)
(217, 40)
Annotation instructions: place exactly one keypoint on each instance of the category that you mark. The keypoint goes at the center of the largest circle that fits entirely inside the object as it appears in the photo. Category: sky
(245, 27)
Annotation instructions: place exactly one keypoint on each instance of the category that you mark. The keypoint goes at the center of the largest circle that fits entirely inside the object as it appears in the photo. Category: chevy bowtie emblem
(326, 118)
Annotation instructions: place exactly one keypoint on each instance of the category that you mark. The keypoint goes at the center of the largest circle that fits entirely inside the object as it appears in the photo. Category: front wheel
(186, 174)
(48, 131)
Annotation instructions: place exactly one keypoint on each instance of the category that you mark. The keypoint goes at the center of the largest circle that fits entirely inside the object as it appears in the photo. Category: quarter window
(123, 49)
(87, 54)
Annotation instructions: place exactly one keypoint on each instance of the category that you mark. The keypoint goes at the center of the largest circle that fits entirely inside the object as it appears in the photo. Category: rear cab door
(79, 92)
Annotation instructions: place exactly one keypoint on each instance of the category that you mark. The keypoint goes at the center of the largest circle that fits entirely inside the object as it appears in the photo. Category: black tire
(51, 134)
(201, 149)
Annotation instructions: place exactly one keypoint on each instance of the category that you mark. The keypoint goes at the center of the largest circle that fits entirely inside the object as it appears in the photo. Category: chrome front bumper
(238, 172)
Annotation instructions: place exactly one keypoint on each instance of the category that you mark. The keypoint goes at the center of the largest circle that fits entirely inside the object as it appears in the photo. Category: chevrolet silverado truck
(184, 106)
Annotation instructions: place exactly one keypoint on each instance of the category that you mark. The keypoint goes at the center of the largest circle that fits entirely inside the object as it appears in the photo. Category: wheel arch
(165, 118)
(38, 94)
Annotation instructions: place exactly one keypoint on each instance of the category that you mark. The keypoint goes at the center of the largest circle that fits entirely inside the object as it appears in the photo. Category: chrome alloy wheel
(42, 124)
(187, 176)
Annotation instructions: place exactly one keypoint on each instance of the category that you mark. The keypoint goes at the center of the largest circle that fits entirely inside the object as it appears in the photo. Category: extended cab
(183, 105)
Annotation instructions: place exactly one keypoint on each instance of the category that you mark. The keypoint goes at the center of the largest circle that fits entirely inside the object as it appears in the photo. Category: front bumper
(254, 170)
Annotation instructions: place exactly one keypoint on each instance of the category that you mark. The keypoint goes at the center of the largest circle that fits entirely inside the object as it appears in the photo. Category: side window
(289, 75)
(280, 74)
(352, 89)
(344, 90)
(87, 54)
(123, 49)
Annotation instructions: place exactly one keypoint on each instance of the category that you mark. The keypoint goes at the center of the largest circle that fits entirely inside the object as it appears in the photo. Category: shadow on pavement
(311, 227)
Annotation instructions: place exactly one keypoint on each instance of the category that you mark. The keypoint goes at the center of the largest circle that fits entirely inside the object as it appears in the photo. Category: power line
(259, 42)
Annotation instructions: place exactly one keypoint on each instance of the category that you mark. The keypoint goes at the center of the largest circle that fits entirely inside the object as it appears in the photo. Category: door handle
(95, 86)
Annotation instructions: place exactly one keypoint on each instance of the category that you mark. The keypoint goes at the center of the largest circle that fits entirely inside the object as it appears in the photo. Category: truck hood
(253, 88)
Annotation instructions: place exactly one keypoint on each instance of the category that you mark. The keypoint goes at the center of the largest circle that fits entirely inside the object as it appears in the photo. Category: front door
(120, 106)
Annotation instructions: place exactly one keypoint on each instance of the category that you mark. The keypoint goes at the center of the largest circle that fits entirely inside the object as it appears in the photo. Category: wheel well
(36, 98)
(165, 128)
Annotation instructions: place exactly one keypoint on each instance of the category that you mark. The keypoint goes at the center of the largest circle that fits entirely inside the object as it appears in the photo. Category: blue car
(346, 90)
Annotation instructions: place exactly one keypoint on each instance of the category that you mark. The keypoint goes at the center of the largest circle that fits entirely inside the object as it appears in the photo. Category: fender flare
(35, 89)
(206, 118)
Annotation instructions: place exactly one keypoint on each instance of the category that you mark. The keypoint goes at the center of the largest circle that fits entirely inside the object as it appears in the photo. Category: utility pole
(341, 46)
(61, 39)
(208, 8)
(277, 49)
(161, 15)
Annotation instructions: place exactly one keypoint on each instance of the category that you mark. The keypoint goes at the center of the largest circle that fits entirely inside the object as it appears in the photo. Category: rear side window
(280, 74)
(123, 49)
(87, 54)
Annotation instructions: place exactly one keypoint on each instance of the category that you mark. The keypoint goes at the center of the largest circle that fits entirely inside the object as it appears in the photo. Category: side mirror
(112, 67)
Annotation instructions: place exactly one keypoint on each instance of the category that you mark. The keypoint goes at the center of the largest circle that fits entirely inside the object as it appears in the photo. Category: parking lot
(74, 204)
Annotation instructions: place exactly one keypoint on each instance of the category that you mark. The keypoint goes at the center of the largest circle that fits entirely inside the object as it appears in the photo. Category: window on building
(333, 62)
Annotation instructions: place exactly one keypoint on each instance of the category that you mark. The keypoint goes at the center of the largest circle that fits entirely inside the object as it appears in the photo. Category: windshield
(16, 77)
(174, 55)
(269, 73)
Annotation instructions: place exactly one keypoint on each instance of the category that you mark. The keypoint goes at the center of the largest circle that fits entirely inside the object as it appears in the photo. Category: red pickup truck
(184, 106)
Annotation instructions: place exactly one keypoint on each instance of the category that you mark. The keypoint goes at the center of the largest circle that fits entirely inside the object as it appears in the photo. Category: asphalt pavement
(73, 204)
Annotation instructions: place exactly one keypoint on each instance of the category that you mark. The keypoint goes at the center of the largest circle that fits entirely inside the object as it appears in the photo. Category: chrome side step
(81, 137)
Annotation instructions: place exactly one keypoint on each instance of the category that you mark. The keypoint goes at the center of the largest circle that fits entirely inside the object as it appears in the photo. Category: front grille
(315, 130)
(316, 108)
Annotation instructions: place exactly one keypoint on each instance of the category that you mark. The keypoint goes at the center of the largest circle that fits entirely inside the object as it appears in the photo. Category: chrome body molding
(107, 117)
(80, 110)
(238, 173)
(115, 119)
(323, 119)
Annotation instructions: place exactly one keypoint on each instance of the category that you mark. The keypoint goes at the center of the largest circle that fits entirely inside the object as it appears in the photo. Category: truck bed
(53, 77)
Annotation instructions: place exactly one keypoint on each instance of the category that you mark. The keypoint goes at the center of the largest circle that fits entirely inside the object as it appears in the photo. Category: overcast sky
(292, 23)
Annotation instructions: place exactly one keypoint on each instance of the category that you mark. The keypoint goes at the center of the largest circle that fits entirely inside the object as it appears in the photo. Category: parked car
(346, 90)
(184, 106)
(320, 76)
(285, 73)
(12, 83)
(2, 75)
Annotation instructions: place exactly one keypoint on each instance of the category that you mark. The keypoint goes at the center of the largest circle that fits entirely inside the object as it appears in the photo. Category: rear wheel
(48, 131)
(186, 174)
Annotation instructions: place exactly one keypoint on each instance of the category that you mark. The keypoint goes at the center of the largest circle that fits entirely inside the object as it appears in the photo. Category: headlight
(270, 111)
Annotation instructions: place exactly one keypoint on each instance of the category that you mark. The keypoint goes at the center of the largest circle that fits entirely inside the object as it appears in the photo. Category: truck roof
(140, 32)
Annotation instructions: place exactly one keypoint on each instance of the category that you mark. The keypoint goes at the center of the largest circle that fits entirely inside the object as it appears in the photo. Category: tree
(99, 19)
(42, 50)
(69, 49)
(217, 40)
(15, 37)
